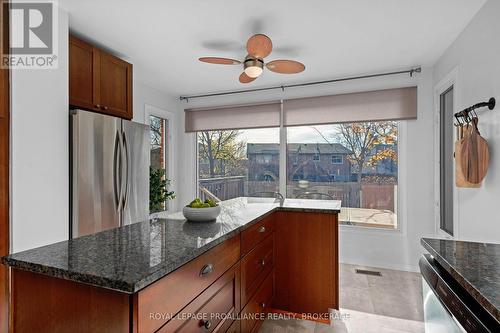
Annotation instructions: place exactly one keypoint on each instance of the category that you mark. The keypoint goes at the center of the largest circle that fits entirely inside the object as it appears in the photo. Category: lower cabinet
(254, 313)
(213, 310)
(229, 288)
(235, 327)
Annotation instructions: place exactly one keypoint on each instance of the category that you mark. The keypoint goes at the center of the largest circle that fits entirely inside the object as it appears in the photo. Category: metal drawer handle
(207, 324)
(98, 106)
(105, 108)
(262, 229)
(263, 305)
(263, 262)
(207, 269)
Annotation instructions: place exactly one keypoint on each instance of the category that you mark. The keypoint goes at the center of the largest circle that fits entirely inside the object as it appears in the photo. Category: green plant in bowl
(201, 211)
(197, 203)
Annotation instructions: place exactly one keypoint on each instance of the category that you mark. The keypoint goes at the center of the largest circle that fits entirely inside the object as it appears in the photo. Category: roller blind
(390, 104)
(233, 117)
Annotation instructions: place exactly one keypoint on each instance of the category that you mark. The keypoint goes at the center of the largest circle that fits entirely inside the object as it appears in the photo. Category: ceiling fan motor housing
(253, 66)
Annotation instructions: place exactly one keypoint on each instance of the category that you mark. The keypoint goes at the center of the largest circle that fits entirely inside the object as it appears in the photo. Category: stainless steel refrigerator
(109, 172)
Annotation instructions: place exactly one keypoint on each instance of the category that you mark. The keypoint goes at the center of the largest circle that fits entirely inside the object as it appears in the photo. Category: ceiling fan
(259, 46)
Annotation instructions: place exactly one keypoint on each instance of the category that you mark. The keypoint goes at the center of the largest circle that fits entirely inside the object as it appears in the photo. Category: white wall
(390, 249)
(476, 55)
(144, 94)
(40, 185)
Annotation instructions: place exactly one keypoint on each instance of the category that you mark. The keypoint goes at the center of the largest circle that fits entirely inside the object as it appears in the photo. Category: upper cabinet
(99, 81)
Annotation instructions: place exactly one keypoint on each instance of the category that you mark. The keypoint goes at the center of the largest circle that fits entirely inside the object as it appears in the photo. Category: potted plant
(158, 190)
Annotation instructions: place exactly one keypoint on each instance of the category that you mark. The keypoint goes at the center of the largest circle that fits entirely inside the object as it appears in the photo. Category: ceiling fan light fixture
(254, 67)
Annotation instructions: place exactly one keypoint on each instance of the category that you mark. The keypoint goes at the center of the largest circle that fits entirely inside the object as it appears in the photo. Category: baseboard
(381, 264)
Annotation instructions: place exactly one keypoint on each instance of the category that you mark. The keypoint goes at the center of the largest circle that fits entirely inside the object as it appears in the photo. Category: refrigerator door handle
(117, 186)
(125, 174)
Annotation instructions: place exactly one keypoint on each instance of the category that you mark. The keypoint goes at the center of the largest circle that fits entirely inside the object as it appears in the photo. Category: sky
(301, 134)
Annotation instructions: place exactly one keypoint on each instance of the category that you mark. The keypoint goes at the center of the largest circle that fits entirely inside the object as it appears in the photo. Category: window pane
(355, 163)
(235, 163)
(157, 134)
(158, 162)
(446, 158)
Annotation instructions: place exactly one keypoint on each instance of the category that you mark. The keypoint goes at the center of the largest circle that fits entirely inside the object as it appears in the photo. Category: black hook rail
(465, 113)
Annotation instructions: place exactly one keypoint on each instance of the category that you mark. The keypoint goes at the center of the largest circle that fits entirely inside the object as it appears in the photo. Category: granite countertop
(134, 256)
(475, 266)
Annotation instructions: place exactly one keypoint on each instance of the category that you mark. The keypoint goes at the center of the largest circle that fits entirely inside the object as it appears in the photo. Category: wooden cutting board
(460, 180)
(474, 155)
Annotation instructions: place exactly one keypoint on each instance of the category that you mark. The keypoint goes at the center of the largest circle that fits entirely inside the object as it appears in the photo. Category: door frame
(451, 79)
(151, 110)
(4, 167)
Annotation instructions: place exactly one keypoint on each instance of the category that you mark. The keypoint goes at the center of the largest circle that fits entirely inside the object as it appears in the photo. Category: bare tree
(222, 150)
(362, 140)
(156, 131)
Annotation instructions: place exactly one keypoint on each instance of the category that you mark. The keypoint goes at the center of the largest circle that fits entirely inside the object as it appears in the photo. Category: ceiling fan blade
(285, 66)
(245, 78)
(259, 46)
(220, 61)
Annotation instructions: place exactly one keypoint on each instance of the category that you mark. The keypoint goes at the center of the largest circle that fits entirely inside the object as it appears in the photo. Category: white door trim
(451, 79)
(150, 110)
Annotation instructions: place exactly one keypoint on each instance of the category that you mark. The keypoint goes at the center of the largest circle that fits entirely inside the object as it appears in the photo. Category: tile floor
(368, 304)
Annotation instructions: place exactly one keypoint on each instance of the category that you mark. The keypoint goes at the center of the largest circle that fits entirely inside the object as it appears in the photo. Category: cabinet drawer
(173, 292)
(212, 310)
(255, 266)
(235, 327)
(253, 313)
(256, 233)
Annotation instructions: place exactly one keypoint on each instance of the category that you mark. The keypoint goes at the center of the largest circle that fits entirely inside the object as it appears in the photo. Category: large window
(356, 163)
(325, 147)
(235, 163)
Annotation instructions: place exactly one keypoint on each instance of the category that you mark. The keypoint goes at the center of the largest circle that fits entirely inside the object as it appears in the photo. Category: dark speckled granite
(132, 257)
(476, 266)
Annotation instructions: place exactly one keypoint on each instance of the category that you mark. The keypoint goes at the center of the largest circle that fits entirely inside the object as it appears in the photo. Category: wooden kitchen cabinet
(184, 284)
(99, 81)
(213, 310)
(306, 262)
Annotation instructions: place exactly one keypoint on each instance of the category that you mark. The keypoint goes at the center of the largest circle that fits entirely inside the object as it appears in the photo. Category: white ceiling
(333, 38)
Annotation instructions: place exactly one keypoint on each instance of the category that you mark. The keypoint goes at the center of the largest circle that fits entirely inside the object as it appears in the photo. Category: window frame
(150, 110)
(341, 159)
(401, 213)
(451, 79)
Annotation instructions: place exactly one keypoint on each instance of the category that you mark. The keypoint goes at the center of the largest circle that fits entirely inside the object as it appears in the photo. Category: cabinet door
(115, 86)
(213, 310)
(235, 327)
(254, 313)
(82, 70)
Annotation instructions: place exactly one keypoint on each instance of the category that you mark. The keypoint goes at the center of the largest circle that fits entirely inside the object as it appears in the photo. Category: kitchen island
(170, 275)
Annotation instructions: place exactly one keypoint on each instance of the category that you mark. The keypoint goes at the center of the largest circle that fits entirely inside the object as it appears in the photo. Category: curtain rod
(283, 87)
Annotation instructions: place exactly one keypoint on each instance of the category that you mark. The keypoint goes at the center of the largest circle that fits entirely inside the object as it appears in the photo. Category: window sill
(357, 229)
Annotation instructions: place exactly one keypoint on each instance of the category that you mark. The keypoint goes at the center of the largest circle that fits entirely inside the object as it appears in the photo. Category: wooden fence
(373, 196)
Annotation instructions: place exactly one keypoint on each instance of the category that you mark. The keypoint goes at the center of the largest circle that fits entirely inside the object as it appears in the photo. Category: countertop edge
(476, 294)
(132, 288)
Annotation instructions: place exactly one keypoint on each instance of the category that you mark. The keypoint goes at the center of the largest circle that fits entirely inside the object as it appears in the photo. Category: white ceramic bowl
(201, 214)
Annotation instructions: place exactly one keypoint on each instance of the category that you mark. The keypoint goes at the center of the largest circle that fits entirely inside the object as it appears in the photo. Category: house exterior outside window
(337, 159)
